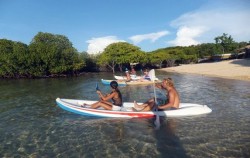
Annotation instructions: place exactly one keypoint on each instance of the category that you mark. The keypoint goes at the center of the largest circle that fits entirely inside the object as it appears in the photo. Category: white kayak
(133, 82)
(76, 106)
(133, 77)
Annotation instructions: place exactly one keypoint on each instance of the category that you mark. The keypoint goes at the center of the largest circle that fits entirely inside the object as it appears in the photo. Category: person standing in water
(171, 93)
(115, 96)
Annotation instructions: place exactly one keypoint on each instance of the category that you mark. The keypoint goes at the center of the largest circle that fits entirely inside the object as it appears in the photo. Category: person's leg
(147, 103)
(140, 106)
(151, 103)
(91, 105)
(147, 106)
(102, 104)
(96, 103)
(107, 102)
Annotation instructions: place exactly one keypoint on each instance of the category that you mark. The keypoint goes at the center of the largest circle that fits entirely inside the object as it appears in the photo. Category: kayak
(120, 83)
(133, 77)
(133, 82)
(76, 106)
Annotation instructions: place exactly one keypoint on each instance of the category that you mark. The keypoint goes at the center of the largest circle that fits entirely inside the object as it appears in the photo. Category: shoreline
(237, 69)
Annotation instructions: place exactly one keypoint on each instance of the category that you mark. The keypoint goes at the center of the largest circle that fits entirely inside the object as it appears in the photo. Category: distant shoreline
(238, 69)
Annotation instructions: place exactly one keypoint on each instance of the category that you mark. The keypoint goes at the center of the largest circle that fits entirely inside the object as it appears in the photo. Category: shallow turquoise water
(32, 125)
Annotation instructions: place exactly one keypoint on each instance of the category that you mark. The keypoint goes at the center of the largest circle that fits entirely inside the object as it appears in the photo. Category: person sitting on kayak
(133, 72)
(171, 93)
(145, 77)
(128, 76)
(115, 96)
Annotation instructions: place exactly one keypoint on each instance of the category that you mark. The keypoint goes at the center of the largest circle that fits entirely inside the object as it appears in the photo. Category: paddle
(97, 87)
(151, 75)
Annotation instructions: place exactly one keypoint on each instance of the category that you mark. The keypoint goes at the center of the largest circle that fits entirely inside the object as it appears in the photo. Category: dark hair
(113, 84)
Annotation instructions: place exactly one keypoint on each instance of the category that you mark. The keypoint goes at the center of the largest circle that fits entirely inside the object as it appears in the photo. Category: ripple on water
(33, 126)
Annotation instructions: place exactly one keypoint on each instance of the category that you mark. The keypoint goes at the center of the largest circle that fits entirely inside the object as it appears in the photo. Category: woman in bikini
(115, 96)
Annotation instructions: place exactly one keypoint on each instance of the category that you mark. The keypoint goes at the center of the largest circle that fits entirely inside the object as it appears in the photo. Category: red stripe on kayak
(125, 113)
(132, 114)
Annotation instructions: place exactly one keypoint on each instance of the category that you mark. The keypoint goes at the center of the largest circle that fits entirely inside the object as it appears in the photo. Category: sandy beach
(238, 69)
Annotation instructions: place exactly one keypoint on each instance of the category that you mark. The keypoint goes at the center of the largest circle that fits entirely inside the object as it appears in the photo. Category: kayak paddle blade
(97, 87)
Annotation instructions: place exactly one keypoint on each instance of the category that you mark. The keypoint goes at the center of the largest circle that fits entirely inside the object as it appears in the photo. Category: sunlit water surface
(32, 125)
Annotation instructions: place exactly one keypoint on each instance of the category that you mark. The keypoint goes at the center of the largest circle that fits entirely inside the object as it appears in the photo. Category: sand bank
(232, 69)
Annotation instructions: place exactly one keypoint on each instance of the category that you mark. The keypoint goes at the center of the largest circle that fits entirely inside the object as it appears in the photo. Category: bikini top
(117, 101)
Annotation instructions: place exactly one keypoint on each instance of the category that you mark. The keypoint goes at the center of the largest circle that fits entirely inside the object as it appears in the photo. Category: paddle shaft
(157, 120)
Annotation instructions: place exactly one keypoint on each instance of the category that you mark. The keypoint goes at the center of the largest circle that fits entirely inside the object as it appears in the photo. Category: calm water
(32, 125)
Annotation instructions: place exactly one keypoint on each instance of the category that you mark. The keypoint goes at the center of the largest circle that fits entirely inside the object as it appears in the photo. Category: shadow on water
(168, 143)
(126, 138)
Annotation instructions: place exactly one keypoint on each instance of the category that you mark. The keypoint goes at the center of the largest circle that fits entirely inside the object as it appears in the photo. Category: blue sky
(91, 25)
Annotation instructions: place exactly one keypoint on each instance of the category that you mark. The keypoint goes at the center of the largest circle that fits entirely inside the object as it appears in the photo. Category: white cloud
(205, 24)
(151, 36)
(186, 36)
(97, 45)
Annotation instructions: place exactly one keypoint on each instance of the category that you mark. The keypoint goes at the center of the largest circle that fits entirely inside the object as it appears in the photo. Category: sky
(91, 25)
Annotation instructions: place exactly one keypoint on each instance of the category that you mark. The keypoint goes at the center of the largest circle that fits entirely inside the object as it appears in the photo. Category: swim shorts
(116, 108)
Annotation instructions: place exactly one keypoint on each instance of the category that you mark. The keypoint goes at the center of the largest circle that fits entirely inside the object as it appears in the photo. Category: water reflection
(168, 143)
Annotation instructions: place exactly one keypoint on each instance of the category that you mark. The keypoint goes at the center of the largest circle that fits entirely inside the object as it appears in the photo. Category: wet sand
(238, 69)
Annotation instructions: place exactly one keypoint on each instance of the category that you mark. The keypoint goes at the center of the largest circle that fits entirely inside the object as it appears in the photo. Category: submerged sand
(232, 69)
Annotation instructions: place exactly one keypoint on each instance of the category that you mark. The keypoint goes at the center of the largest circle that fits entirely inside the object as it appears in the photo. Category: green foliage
(206, 49)
(53, 54)
(242, 44)
(168, 55)
(6, 49)
(120, 53)
(90, 60)
(225, 43)
(46, 55)
(20, 57)
(13, 57)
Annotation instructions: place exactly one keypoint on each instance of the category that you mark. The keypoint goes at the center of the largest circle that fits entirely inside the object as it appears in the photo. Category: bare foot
(134, 109)
(135, 104)
(84, 105)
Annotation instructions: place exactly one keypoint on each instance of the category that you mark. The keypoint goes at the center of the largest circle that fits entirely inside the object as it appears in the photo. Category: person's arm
(100, 94)
(105, 98)
(158, 85)
(170, 103)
